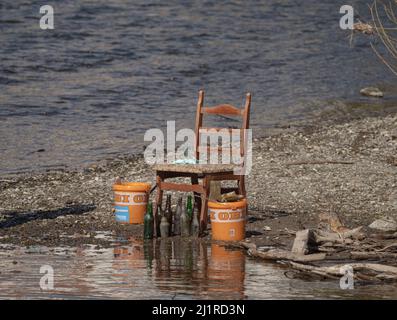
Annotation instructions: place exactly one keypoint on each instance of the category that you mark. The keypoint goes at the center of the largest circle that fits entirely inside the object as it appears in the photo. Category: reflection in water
(173, 268)
(177, 263)
(227, 268)
(127, 258)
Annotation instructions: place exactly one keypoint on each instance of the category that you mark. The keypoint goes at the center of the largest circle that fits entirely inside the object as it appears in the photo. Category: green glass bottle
(189, 207)
(148, 222)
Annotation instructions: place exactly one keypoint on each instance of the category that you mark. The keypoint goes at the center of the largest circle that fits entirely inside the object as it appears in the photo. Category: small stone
(384, 224)
(267, 228)
(371, 92)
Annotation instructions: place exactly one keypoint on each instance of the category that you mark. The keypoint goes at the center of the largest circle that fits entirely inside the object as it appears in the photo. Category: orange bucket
(228, 220)
(130, 201)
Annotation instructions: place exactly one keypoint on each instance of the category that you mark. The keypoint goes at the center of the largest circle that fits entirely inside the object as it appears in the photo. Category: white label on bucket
(130, 198)
(227, 215)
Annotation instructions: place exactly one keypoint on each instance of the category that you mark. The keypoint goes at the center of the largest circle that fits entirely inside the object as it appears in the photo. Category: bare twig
(388, 247)
(383, 32)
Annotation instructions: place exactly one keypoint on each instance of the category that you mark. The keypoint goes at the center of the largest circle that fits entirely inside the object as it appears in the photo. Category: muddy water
(167, 269)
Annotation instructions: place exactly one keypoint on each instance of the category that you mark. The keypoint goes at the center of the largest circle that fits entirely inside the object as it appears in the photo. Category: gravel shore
(349, 169)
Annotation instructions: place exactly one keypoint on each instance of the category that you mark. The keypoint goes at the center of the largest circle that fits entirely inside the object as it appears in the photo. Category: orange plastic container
(228, 220)
(130, 201)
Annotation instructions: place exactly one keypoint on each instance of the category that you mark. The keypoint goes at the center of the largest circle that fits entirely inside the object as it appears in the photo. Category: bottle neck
(168, 203)
(150, 209)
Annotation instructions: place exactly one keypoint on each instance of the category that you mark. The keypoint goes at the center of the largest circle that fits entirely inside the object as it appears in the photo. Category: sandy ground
(349, 169)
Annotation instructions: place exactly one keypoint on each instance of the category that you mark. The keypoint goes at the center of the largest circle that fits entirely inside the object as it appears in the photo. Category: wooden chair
(205, 172)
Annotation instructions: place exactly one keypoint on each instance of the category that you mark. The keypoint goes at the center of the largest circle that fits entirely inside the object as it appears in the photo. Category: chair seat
(196, 168)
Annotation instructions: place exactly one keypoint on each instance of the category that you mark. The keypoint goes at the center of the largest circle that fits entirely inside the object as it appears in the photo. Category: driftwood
(333, 241)
(248, 245)
(331, 221)
(304, 242)
(382, 271)
(362, 255)
(393, 245)
(340, 237)
(383, 236)
(279, 254)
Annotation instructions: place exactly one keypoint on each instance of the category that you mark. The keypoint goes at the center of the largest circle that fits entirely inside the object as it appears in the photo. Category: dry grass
(362, 27)
(384, 22)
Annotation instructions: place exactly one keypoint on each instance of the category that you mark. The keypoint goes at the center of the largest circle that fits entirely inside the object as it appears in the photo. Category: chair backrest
(222, 110)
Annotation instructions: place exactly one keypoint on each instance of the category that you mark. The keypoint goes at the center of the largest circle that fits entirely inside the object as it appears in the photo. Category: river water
(111, 69)
(162, 269)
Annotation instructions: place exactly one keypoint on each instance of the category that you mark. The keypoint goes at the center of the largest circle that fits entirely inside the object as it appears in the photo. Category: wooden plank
(279, 254)
(181, 187)
(304, 240)
(223, 109)
(176, 174)
(186, 170)
(223, 176)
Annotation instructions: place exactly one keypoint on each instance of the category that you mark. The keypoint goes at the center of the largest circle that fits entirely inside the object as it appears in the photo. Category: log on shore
(279, 254)
(304, 242)
(382, 272)
(362, 255)
(341, 237)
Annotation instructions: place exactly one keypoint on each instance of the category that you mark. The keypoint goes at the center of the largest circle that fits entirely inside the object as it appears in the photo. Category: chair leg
(241, 186)
(159, 199)
(204, 204)
(242, 190)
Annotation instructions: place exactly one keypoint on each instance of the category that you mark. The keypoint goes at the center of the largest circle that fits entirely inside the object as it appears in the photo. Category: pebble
(371, 92)
(384, 224)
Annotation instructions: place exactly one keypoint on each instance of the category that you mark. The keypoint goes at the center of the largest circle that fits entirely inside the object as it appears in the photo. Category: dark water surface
(166, 269)
(112, 69)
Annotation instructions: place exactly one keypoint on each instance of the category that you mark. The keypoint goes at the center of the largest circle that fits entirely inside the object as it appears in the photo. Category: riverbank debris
(314, 249)
(369, 272)
(364, 28)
